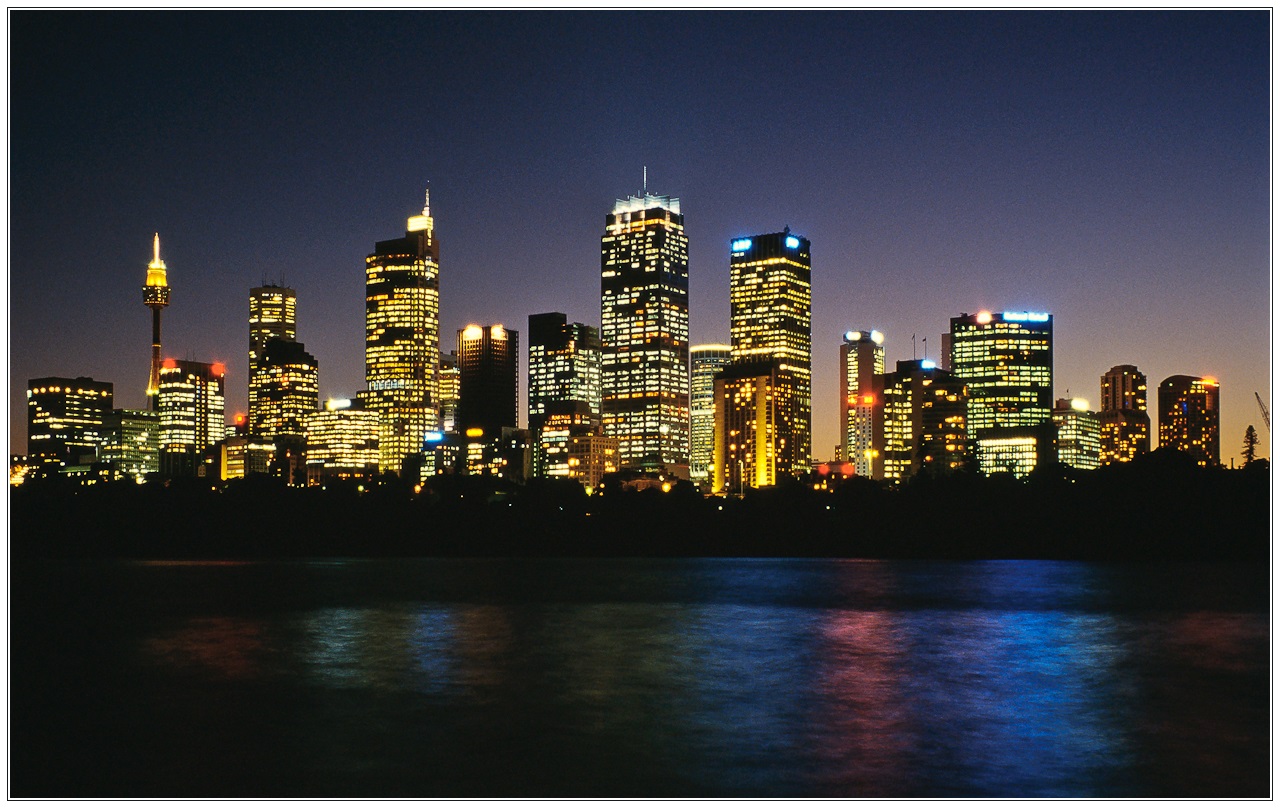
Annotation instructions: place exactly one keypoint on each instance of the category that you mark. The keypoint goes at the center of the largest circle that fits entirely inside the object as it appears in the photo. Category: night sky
(1109, 167)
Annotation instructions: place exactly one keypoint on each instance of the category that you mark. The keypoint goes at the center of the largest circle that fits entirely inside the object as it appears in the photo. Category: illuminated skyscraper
(488, 367)
(133, 443)
(402, 340)
(1079, 433)
(1189, 417)
(155, 294)
(192, 413)
(705, 361)
(449, 386)
(1125, 422)
(1006, 360)
(861, 360)
(67, 421)
(342, 443)
(770, 319)
(564, 366)
(922, 421)
(288, 388)
(272, 315)
(755, 412)
(644, 333)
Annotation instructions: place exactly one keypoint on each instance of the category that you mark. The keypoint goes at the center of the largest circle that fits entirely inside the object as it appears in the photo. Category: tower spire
(426, 206)
(156, 245)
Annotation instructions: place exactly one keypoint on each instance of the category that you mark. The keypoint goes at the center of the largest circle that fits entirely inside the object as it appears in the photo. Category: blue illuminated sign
(927, 364)
(434, 437)
(1025, 317)
(792, 242)
(741, 244)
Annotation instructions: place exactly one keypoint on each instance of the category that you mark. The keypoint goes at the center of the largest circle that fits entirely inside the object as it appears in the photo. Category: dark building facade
(1189, 418)
(488, 380)
(67, 421)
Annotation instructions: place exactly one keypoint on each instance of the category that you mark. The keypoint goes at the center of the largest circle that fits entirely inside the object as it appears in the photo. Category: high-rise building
(1079, 433)
(133, 443)
(770, 318)
(192, 414)
(488, 383)
(402, 340)
(449, 391)
(1125, 422)
(66, 421)
(288, 390)
(564, 366)
(861, 361)
(755, 413)
(705, 361)
(1189, 417)
(155, 294)
(644, 333)
(1006, 361)
(922, 421)
(272, 315)
(342, 443)
(560, 423)
(591, 457)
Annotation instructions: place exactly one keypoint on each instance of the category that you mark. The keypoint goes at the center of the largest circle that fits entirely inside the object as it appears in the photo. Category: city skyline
(1130, 205)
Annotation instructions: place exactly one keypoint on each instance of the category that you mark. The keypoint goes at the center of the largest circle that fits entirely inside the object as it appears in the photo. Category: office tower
(192, 414)
(288, 390)
(644, 333)
(402, 340)
(488, 368)
(559, 423)
(705, 361)
(155, 294)
(921, 419)
(1079, 433)
(1125, 422)
(1189, 417)
(66, 421)
(755, 410)
(449, 381)
(272, 315)
(133, 443)
(861, 361)
(564, 366)
(762, 399)
(342, 443)
(1006, 361)
(591, 457)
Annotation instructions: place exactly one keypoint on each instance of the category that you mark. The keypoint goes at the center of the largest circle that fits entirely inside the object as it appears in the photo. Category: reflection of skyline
(919, 690)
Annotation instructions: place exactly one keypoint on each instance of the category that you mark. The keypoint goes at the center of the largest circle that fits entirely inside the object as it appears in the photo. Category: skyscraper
(67, 421)
(755, 412)
(922, 416)
(342, 443)
(564, 366)
(770, 320)
(192, 413)
(288, 390)
(705, 361)
(449, 382)
(644, 333)
(272, 315)
(1189, 417)
(155, 294)
(1079, 433)
(1006, 360)
(133, 443)
(1125, 422)
(402, 340)
(861, 360)
(488, 368)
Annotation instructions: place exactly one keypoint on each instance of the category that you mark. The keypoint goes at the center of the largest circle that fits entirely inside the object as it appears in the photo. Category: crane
(1266, 414)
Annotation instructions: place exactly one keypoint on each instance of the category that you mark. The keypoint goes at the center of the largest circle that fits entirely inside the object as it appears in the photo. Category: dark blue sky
(1109, 167)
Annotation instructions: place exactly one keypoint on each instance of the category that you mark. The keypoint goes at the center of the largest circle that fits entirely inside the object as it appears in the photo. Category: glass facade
(272, 315)
(1079, 434)
(770, 318)
(755, 412)
(861, 361)
(923, 421)
(192, 414)
(341, 444)
(133, 443)
(705, 361)
(564, 366)
(644, 333)
(402, 340)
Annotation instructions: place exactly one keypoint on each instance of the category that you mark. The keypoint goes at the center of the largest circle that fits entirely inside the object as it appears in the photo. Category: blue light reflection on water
(734, 677)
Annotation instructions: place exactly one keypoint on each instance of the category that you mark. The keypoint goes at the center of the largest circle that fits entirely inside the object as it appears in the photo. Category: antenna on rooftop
(646, 180)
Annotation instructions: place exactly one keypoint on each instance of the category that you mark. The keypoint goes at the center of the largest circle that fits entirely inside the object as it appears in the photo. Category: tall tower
(564, 366)
(644, 333)
(155, 294)
(192, 413)
(402, 340)
(770, 319)
(705, 362)
(1006, 359)
(488, 379)
(861, 360)
(272, 315)
(1126, 425)
(1189, 417)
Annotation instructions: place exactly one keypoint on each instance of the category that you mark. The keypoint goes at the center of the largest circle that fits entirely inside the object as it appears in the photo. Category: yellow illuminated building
(402, 340)
(705, 362)
(155, 294)
(272, 315)
(1125, 422)
(342, 443)
(1189, 417)
(923, 421)
(192, 413)
(644, 333)
(755, 419)
(1079, 434)
(67, 421)
(861, 361)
